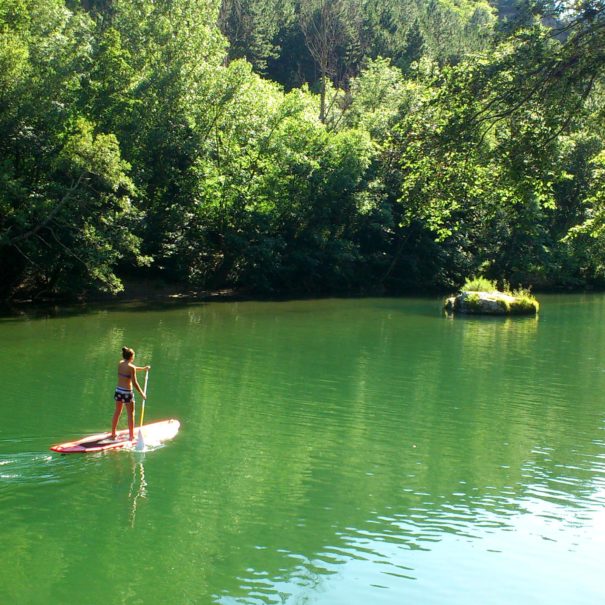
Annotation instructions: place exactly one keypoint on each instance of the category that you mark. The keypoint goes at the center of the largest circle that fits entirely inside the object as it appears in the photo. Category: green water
(332, 452)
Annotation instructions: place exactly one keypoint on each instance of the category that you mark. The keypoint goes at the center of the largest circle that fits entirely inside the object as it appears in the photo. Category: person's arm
(137, 386)
(138, 369)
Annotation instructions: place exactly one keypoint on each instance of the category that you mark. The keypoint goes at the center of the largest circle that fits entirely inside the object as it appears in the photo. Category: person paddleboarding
(124, 395)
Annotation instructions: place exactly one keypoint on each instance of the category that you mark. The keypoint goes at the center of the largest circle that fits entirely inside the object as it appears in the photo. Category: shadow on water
(42, 312)
(426, 306)
(420, 305)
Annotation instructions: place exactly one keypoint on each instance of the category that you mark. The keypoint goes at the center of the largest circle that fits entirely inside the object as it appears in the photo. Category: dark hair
(127, 353)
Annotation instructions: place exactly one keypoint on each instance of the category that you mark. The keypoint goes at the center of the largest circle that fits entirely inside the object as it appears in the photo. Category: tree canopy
(300, 147)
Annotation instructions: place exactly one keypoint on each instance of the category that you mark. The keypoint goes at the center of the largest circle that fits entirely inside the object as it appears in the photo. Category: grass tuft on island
(480, 296)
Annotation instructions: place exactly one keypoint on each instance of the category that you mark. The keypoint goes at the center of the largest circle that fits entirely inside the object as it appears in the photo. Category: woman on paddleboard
(127, 376)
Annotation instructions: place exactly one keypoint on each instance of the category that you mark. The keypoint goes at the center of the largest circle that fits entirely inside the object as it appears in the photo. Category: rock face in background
(491, 303)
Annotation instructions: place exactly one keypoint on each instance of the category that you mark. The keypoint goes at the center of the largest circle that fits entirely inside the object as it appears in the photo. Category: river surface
(334, 452)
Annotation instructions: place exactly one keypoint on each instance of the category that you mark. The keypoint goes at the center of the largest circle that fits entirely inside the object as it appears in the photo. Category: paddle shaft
(144, 391)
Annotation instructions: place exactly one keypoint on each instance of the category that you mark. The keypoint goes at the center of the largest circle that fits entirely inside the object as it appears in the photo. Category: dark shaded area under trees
(300, 147)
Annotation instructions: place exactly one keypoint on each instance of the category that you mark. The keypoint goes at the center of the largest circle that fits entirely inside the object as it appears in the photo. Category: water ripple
(28, 468)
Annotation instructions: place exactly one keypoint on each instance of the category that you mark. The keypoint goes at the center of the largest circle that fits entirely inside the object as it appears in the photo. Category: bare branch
(51, 215)
(69, 251)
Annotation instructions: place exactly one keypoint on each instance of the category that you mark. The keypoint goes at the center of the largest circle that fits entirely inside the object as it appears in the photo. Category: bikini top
(124, 375)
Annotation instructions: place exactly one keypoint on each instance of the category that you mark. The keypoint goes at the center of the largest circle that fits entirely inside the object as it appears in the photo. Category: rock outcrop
(491, 303)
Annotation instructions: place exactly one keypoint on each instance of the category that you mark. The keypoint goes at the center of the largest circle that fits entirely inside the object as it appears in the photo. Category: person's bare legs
(116, 417)
(130, 410)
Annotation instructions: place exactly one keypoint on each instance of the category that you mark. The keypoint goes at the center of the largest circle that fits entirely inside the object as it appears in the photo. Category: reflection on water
(138, 487)
(330, 452)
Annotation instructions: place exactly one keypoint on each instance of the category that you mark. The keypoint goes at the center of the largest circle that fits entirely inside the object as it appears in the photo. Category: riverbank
(158, 292)
(135, 290)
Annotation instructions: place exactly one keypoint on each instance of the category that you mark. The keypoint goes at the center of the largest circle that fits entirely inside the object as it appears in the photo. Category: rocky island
(492, 302)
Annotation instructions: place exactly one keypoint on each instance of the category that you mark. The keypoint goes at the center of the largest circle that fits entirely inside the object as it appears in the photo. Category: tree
(325, 25)
(253, 29)
(66, 215)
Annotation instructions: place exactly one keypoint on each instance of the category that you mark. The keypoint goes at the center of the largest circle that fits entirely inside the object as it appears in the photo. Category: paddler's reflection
(138, 486)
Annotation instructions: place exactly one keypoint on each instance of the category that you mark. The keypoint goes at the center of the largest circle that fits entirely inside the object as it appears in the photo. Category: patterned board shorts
(123, 395)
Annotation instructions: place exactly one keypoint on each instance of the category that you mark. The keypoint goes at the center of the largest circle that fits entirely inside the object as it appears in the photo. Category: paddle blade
(140, 445)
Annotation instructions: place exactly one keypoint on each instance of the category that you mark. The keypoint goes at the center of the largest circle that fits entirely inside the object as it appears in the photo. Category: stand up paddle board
(155, 432)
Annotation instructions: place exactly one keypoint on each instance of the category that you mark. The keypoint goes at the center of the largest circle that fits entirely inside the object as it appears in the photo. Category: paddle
(140, 446)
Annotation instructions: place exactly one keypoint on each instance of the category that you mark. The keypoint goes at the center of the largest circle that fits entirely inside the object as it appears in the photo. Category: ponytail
(127, 353)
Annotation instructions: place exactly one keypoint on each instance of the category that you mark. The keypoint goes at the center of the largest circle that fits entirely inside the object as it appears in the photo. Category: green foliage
(66, 213)
(479, 284)
(254, 29)
(274, 38)
(277, 195)
(525, 302)
(415, 144)
(473, 301)
(523, 306)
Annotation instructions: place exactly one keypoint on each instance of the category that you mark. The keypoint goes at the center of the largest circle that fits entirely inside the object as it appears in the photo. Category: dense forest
(300, 147)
